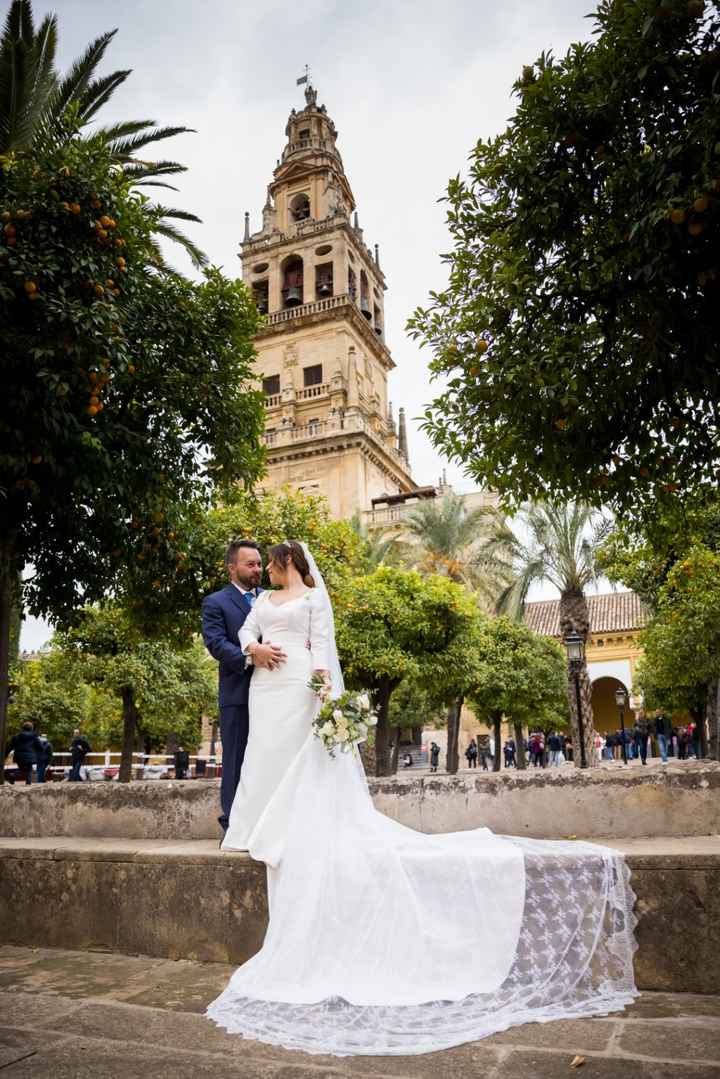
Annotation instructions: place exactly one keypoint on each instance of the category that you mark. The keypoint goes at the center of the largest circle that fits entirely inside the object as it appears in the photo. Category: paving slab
(142, 1018)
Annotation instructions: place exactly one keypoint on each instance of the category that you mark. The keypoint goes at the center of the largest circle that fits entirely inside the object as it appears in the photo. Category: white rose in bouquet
(327, 729)
(338, 715)
(364, 702)
(371, 721)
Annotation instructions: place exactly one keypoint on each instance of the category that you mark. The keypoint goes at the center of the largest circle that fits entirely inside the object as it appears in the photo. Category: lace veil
(336, 675)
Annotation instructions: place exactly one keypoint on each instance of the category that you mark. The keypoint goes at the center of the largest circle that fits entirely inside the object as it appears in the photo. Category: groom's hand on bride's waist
(268, 655)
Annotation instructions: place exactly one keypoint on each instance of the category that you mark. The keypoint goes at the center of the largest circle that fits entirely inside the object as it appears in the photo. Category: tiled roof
(609, 613)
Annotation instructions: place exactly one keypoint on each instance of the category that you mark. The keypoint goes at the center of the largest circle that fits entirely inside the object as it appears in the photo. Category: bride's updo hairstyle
(291, 551)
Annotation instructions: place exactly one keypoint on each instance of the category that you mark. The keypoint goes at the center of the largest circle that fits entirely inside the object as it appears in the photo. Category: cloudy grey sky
(410, 84)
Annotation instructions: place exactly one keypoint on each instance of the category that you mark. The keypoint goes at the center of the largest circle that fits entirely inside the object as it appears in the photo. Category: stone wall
(677, 800)
(191, 901)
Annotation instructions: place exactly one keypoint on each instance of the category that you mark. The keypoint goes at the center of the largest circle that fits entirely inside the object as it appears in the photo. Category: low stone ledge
(681, 799)
(192, 901)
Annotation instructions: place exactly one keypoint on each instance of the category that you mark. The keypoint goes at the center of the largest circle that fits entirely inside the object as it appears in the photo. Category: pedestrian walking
(472, 754)
(484, 753)
(434, 756)
(182, 763)
(79, 749)
(662, 732)
(24, 746)
(44, 758)
(640, 738)
(555, 748)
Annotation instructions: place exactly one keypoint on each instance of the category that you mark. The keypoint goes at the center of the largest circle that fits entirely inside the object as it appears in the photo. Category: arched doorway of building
(605, 711)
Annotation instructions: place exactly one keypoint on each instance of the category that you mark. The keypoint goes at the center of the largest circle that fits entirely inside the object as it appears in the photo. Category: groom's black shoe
(223, 822)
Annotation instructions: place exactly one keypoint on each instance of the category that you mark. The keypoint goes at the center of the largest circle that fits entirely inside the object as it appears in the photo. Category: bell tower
(322, 355)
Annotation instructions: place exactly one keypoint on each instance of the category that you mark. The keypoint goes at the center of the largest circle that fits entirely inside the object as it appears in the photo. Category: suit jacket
(223, 614)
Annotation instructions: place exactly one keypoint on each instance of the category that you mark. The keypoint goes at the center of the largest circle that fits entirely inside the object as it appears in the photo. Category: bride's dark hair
(291, 551)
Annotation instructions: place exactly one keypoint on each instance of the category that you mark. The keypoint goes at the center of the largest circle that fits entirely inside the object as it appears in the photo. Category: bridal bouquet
(343, 723)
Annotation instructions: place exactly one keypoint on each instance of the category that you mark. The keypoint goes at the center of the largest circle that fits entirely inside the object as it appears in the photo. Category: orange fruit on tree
(474, 372)
(132, 368)
(110, 283)
(34, 296)
(99, 291)
(94, 400)
(701, 204)
(677, 216)
(5, 215)
(92, 410)
(30, 286)
(10, 230)
(105, 220)
(482, 345)
(696, 228)
(75, 207)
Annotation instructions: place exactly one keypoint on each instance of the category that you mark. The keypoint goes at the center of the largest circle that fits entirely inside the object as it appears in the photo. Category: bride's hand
(324, 691)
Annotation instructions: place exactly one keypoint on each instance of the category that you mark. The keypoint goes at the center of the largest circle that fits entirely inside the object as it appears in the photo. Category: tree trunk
(574, 616)
(452, 761)
(712, 713)
(698, 715)
(417, 736)
(383, 766)
(130, 719)
(497, 735)
(6, 593)
(520, 755)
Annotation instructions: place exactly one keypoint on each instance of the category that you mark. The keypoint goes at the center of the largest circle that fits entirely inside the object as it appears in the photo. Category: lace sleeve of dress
(319, 632)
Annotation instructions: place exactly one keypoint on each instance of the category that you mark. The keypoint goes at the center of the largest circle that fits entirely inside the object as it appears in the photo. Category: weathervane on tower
(310, 93)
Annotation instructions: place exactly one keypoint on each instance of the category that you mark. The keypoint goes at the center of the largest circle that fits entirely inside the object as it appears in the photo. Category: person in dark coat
(182, 762)
(24, 746)
(640, 738)
(44, 758)
(434, 756)
(79, 749)
(472, 754)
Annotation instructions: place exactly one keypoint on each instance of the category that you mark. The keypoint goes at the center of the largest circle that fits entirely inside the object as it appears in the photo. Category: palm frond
(75, 83)
(199, 258)
(99, 92)
(125, 148)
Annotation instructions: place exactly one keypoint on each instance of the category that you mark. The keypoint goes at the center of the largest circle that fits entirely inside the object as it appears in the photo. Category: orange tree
(579, 331)
(126, 389)
(680, 667)
(176, 555)
(519, 676)
(390, 624)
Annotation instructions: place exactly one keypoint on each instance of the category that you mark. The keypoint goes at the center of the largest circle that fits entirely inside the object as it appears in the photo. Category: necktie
(251, 598)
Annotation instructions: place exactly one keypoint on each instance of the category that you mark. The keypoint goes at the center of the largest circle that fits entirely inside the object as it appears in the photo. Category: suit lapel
(240, 599)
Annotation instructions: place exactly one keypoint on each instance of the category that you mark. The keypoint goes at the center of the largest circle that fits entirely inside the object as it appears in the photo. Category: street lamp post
(575, 650)
(620, 699)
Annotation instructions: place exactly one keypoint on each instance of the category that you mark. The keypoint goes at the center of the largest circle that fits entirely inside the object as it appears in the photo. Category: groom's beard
(248, 583)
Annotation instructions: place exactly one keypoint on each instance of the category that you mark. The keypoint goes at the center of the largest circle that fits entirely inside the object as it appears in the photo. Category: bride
(383, 940)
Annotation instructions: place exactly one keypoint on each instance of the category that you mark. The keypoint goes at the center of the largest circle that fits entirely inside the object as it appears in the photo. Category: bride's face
(277, 574)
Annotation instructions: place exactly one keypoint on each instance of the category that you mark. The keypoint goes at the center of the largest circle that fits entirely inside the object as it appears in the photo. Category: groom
(223, 614)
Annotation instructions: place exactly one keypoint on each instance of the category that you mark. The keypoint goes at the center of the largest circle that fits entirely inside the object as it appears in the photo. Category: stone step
(679, 799)
(189, 900)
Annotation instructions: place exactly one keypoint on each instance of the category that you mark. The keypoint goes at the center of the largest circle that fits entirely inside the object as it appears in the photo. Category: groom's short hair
(234, 547)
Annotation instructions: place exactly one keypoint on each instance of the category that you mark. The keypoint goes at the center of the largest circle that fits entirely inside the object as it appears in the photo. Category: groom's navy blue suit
(223, 614)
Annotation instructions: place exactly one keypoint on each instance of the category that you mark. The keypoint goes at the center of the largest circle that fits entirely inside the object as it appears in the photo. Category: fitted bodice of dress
(301, 626)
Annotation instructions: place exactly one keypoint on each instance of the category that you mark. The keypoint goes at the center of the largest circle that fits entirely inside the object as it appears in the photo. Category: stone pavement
(85, 1015)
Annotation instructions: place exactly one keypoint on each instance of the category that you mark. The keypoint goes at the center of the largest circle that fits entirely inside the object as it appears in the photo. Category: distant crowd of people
(33, 755)
(658, 732)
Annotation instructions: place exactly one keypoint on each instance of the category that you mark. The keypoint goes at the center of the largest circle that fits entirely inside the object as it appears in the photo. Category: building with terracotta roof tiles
(613, 648)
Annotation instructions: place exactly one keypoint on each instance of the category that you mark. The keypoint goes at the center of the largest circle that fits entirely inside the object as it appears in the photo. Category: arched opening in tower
(365, 296)
(292, 290)
(300, 207)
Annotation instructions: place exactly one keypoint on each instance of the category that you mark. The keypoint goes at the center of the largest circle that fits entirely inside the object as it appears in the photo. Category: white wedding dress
(383, 940)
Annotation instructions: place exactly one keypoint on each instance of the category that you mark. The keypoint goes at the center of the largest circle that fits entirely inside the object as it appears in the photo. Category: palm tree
(38, 106)
(562, 545)
(378, 547)
(447, 538)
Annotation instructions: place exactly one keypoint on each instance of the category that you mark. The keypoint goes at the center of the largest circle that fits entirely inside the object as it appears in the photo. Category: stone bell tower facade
(322, 355)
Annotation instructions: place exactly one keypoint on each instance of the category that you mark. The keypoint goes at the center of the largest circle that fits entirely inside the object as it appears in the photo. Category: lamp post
(620, 699)
(575, 648)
